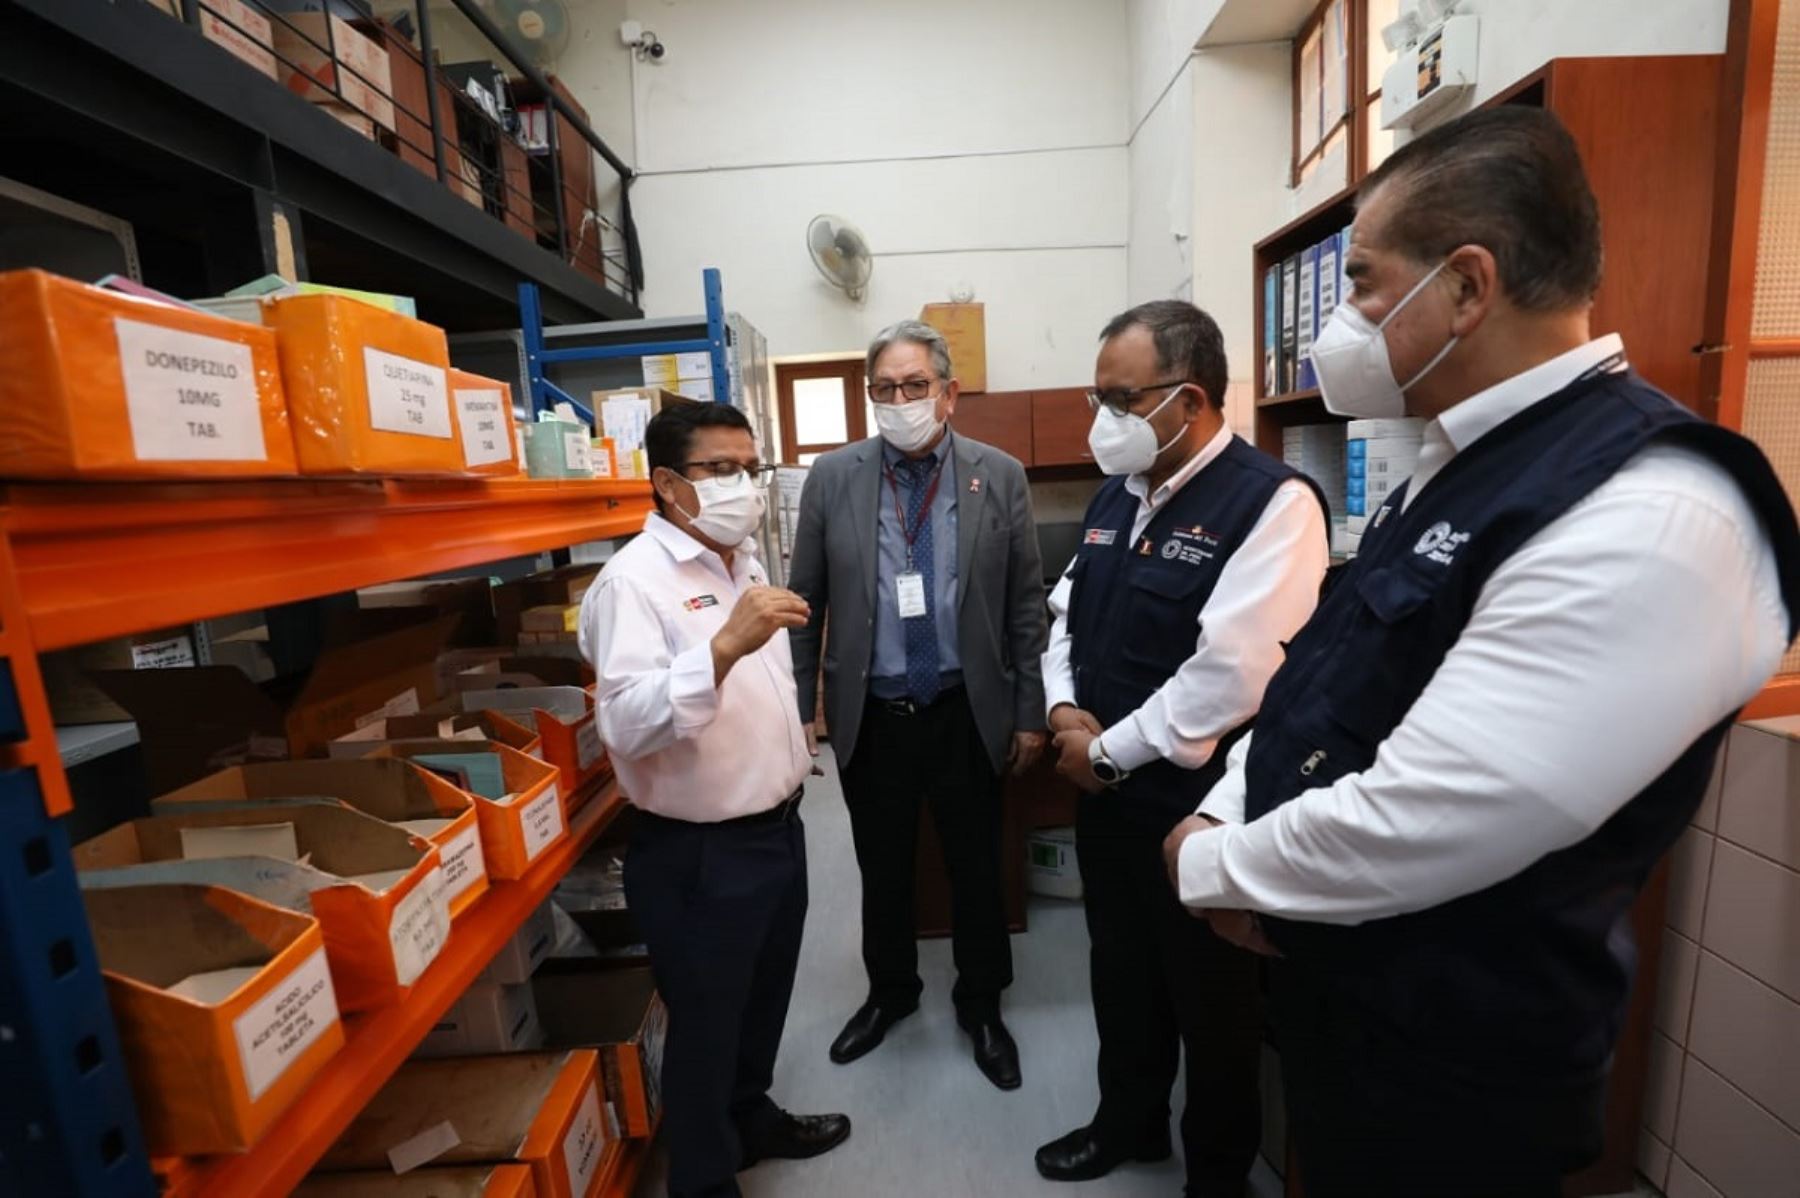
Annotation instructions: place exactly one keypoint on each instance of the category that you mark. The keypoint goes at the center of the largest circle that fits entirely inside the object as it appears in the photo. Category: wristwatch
(1104, 767)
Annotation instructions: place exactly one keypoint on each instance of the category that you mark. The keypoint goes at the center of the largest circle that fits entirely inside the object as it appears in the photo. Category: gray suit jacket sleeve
(807, 577)
(1027, 617)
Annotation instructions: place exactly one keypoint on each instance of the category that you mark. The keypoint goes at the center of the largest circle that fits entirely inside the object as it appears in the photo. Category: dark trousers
(721, 907)
(934, 756)
(1162, 981)
(1374, 1116)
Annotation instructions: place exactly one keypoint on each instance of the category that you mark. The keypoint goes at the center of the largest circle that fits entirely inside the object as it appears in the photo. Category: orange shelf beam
(379, 1041)
(101, 560)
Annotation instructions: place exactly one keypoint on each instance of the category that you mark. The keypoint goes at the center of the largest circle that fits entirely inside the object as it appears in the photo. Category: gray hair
(917, 332)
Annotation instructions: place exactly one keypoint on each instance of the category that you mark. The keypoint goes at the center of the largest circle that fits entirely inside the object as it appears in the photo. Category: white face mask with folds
(730, 509)
(1127, 444)
(1350, 355)
(909, 426)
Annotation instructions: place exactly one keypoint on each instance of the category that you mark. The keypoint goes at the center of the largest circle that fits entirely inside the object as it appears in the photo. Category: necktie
(921, 631)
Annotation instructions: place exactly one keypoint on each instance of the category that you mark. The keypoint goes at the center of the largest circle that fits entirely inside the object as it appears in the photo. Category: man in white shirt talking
(1199, 557)
(1507, 708)
(696, 704)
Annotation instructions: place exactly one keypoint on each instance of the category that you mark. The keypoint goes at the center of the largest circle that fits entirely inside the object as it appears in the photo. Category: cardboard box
(74, 696)
(528, 948)
(350, 118)
(353, 685)
(241, 29)
(516, 829)
(623, 413)
(589, 1003)
(213, 1061)
(558, 449)
(484, 407)
(566, 584)
(1050, 863)
(97, 384)
(964, 327)
(538, 1109)
(395, 792)
(376, 890)
(360, 71)
(698, 390)
(368, 390)
(489, 1017)
(440, 724)
(564, 717)
(550, 618)
(469, 1181)
(667, 370)
(469, 599)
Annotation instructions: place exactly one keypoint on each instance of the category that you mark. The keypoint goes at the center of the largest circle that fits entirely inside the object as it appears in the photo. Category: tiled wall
(1722, 1112)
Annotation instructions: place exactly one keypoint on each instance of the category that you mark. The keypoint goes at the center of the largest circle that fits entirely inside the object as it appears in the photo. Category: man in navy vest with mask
(1507, 708)
(1200, 556)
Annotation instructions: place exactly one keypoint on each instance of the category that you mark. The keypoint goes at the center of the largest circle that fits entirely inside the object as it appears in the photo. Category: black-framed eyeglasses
(911, 389)
(728, 471)
(1118, 400)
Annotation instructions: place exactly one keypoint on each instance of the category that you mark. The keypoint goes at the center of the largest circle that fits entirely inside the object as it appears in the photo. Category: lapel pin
(974, 486)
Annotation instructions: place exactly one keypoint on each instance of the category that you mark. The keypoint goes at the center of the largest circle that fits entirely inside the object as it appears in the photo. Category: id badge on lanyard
(909, 584)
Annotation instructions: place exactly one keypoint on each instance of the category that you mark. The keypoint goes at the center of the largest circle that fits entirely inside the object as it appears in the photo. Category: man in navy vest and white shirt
(695, 702)
(1200, 556)
(1507, 708)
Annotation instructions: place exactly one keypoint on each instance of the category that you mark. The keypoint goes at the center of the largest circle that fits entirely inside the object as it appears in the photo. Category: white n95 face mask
(908, 426)
(1127, 444)
(1351, 358)
(729, 511)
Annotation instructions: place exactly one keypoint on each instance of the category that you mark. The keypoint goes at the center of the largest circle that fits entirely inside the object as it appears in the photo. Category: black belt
(909, 707)
(783, 811)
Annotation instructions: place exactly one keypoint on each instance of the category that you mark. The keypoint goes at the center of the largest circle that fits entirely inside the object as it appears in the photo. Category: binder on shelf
(1290, 299)
(1272, 331)
(1327, 299)
(1343, 263)
(1306, 321)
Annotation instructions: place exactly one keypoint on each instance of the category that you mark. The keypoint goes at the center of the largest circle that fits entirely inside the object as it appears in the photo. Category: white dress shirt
(681, 746)
(1595, 655)
(1265, 592)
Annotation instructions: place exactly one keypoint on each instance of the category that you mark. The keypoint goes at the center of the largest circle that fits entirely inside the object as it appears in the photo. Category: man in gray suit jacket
(920, 547)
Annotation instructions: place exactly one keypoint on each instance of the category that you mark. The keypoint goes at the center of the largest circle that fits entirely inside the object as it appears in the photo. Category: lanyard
(911, 534)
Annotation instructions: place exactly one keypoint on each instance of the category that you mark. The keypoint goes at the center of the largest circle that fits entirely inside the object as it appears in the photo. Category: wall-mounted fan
(538, 27)
(841, 253)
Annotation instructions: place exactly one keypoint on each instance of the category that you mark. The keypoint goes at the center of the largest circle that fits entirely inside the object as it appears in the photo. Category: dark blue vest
(1530, 976)
(1134, 618)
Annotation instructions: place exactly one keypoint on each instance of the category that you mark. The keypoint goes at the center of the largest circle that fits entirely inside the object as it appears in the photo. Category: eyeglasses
(911, 389)
(728, 471)
(1118, 400)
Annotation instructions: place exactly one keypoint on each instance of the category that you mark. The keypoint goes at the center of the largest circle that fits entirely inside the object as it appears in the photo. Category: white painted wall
(1159, 262)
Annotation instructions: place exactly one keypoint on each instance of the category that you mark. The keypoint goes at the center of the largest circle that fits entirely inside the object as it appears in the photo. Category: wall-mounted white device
(1431, 73)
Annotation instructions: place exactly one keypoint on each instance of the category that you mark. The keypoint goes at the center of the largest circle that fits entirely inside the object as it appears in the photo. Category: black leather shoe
(1081, 1156)
(866, 1030)
(796, 1137)
(995, 1051)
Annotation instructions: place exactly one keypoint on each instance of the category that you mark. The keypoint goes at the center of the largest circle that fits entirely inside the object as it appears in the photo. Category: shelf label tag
(463, 863)
(420, 925)
(542, 821)
(479, 411)
(406, 396)
(277, 1028)
(578, 453)
(581, 1146)
(163, 655)
(587, 744)
(190, 397)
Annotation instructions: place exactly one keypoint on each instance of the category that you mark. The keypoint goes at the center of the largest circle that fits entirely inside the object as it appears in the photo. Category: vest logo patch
(1171, 548)
(1440, 543)
(1100, 536)
(1198, 532)
(700, 601)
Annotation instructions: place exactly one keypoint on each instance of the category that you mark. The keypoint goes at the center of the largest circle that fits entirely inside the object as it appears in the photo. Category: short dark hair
(671, 432)
(1508, 179)
(1187, 340)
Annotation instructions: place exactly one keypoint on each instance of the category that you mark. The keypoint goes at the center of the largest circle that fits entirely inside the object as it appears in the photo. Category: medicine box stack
(688, 374)
(1380, 455)
(1317, 451)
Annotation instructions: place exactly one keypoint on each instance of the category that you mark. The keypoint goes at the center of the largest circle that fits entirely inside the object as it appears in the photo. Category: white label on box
(483, 426)
(542, 821)
(420, 925)
(406, 396)
(587, 744)
(581, 1146)
(277, 1028)
(190, 397)
(463, 863)
(404, 703)
(175, 652)
(423, 1148)
(578, 452)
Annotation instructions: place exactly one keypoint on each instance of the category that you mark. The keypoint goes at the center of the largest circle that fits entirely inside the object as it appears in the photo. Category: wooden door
(821, 406)
(1060, 419)
(998, 418)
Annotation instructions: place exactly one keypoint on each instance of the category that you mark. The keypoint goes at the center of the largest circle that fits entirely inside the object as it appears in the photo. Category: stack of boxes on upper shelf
(1317, 451)
(296, 379)
(1358, 465)
(312, 859)
(1299, 295)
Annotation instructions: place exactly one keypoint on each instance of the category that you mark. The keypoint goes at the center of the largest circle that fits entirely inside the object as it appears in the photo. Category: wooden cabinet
(998, 418)
(515, 176)
(1060, 420)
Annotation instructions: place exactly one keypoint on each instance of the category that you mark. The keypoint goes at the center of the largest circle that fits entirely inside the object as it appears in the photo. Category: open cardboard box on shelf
(440, 723)
(376, 890)
(395, 792)
(517, 827)
(224, 1005)
(612, 1007)
(562, 715)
